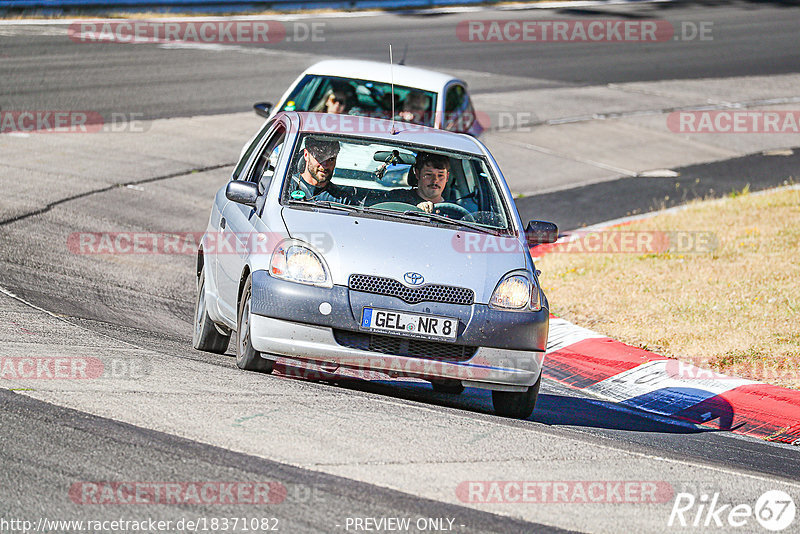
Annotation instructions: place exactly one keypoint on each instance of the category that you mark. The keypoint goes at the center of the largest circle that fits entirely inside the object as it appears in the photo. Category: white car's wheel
(516, 404)
(205, 335)
(247, 357)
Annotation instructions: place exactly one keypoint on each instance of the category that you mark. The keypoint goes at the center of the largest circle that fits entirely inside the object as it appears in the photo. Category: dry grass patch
(735, 310)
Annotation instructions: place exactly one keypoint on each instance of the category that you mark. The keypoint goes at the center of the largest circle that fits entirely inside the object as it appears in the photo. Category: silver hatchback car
(380, 246)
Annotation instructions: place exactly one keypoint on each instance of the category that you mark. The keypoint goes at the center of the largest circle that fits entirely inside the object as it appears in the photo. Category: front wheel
(205, 335)
(516, 404)
(247, 357)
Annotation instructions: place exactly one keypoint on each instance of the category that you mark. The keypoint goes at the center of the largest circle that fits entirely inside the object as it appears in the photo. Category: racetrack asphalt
(596, 203)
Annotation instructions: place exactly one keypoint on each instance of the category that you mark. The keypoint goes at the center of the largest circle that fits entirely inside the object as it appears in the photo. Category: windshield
(329, 94)
(402, 181)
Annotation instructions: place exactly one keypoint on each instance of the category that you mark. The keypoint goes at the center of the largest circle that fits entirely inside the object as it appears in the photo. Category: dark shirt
(408, 196)
(331, 192)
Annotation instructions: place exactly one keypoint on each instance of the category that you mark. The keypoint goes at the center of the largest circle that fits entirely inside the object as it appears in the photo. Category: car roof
(381, 130)
(427, 80)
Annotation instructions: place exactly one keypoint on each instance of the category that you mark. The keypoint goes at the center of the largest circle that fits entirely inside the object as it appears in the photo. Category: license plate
(411, 324)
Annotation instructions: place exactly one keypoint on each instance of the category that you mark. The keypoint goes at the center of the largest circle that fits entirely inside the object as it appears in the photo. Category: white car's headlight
(293, 261)
(516, 292)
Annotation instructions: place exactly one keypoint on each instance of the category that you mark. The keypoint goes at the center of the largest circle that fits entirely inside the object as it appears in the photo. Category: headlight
(295, 262)
(516, 292)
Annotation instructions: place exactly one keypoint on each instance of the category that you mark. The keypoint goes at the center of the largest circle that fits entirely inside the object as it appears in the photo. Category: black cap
(322, 149)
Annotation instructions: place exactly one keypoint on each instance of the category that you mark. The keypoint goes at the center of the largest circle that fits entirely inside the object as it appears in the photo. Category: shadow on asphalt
(559, 410)
(551, 409)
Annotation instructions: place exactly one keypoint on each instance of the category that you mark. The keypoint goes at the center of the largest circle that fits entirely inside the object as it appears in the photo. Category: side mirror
(539, 232)
(242, 192)
(263, 109)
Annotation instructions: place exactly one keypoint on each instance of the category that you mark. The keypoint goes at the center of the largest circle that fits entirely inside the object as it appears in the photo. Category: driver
(431, 173)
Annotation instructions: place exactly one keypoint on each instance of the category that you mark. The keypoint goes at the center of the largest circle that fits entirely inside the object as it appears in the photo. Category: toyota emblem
(413, 279)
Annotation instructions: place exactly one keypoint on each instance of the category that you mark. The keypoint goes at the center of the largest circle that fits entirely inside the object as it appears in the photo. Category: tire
(205, 336)
(247, 357)
(516, 404)
(451, 387)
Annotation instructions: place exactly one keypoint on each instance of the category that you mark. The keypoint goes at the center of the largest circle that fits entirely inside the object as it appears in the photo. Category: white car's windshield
(330, 94)
(401, 180)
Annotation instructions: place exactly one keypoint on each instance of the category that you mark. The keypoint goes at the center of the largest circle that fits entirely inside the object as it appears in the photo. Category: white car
(369, 83)
(363, 277)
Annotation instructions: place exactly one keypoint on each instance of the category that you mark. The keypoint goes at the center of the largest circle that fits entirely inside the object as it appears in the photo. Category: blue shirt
(331, 192)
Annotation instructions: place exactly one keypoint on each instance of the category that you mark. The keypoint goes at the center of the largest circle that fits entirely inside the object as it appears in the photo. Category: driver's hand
(426, 206)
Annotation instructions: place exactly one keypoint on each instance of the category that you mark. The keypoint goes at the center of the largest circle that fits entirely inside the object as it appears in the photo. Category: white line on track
(63, 318)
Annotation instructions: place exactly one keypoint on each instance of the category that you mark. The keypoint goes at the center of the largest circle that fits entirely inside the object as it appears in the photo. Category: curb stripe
(644, 380)
(590, 361)
(640, 379)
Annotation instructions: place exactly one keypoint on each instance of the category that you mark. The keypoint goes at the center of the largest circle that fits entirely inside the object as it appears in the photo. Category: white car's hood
(390, 248)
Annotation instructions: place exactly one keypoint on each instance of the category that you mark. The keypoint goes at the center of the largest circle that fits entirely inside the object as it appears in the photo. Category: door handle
(222, 223)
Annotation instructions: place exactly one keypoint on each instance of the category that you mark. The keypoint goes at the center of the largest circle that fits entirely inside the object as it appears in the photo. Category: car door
(238, 222)
(212, 237)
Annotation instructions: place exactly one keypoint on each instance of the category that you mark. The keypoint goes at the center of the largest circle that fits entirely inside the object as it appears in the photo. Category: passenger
(429, 178)
(415, 108)
(337, 100)
(318, 163)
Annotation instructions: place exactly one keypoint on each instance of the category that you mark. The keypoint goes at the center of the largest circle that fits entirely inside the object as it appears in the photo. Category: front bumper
(504, 350)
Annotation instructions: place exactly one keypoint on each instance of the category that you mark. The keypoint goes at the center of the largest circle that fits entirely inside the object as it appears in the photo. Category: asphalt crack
(48, 207)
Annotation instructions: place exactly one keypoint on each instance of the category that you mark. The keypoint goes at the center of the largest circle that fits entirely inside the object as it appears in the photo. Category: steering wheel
(454, 211)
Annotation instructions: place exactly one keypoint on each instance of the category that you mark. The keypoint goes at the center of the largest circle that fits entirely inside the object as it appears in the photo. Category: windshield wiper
(409, 215)
(330, 204)
(448, 220)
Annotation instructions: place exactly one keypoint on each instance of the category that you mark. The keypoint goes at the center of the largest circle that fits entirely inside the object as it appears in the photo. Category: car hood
(351, 244)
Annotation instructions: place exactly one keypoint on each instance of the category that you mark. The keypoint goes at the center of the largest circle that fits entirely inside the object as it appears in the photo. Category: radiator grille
(413, 295)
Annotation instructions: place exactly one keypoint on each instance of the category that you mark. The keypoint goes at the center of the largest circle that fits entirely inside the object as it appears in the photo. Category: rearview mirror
(242, 192)
(540, 232)
(262, 109)
(394, 156)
